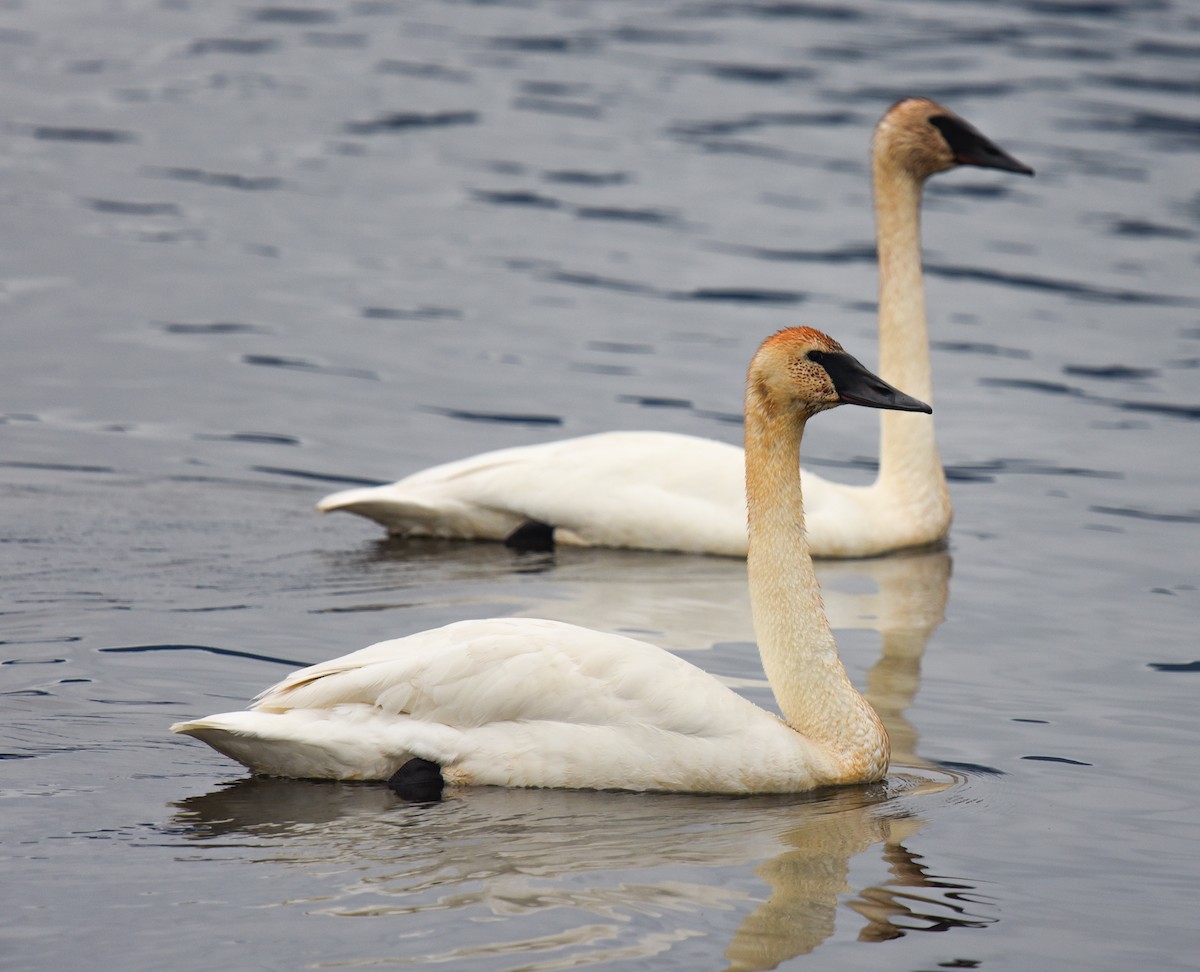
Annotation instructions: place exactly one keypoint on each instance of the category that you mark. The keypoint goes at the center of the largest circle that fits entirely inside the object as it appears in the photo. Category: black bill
(857, 386)
(971, 147)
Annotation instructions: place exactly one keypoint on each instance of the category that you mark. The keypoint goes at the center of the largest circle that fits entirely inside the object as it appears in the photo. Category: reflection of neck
(809, 879)
(798, 650)
(908, 456)
(905, 610)
(892, 684)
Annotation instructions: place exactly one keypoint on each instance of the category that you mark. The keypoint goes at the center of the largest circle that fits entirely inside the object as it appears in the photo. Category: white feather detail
(516, 702)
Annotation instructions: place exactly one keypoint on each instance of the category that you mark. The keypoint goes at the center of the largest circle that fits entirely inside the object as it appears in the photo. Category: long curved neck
(908, 456)
(799, 653)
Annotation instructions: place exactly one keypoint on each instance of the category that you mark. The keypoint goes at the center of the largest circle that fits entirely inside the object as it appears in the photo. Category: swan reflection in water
(511, 853)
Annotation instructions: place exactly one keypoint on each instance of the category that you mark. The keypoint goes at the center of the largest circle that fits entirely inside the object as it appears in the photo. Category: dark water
(255, 253)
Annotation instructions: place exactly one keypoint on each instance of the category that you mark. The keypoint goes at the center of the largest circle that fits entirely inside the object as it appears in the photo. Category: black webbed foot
(532, 536)
(418, 781)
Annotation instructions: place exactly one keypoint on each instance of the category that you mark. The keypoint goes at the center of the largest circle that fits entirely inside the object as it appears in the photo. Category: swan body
(517, 702)
(527, 702)
(663, 491)
(652, 490)
(639, 490)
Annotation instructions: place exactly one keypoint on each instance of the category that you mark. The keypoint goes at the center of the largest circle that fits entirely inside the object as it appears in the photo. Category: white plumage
(663, 491)
(650, 490)
(501, 701)
(524, 702)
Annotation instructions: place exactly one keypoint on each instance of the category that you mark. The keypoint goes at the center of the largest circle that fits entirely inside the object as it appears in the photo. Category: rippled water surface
(255, 253)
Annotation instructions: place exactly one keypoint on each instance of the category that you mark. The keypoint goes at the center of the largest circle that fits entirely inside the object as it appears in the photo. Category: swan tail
(312, 746)
(406, 514)
(379, 501)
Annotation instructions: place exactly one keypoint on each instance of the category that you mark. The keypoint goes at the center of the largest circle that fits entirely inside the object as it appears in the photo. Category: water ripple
(1082, 8)
(552, 106)
(1138, 514)
(741, 295)
(406, 121)
(259, 438)
(1057, 759)
(1191, 412)
(97, 136)
(1147, 229)
(515, 197)
(592, 368)
(652, 401)
(420, 69)
(1110, 372)
(304, 16)
(421, 313)
(757, 120)
(57, 467)
(582, 279)
(228, 652)
(860, 253)
(783, 10)
(652, 217)
(1034, 384)
(980, 347)
(579, 177)
(1070, 288)
(300, 364)
(1172, 128)
(554, 89)
(221, 180)
(756, 73)
(1158, 48)
(1167, 85)
(334, 40)
(1172, 409)
(215, 327)
(758, 151)
(986, 471)
(243, 46)
(546, 43)
(659, 35)
(22, 37)
(968, 769)
(619, 347)
(503, 418)
(319, 477)
(949, 92)
(123, 208)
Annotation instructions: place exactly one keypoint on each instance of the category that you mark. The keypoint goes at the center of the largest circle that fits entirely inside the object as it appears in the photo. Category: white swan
(663, 491)
(525, 702)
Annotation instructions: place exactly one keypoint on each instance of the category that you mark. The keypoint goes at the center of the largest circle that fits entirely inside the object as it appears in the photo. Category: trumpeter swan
(526, 702)
(663, 491)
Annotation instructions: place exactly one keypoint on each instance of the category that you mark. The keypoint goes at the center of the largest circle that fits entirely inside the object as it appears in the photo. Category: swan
(666, 491)
(535, 703)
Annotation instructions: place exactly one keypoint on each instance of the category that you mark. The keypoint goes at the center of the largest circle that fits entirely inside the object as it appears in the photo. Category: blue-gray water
(252, 253)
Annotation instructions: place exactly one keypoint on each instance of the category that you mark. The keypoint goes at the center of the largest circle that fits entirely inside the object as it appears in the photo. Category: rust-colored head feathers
(802, 371)
(803, 339)
(782, 377)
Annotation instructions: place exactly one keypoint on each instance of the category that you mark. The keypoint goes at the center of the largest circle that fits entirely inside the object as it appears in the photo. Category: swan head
(923, 138)
(802, 371)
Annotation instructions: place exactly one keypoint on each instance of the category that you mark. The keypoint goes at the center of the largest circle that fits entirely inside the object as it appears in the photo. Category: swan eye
(827, 362)
(958, 135)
